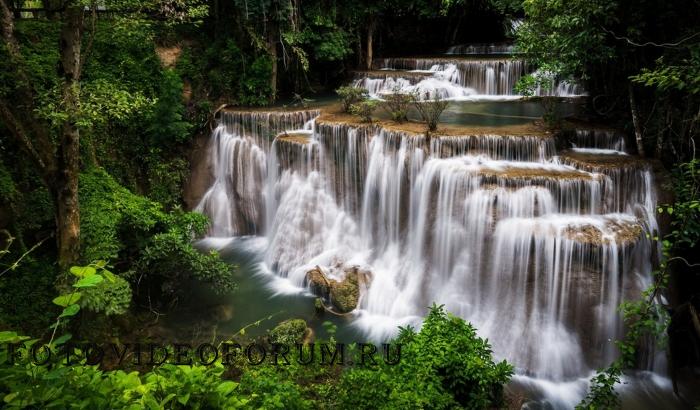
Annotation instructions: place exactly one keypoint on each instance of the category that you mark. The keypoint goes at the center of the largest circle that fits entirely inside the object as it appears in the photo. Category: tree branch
(650, 43)
(20, 134)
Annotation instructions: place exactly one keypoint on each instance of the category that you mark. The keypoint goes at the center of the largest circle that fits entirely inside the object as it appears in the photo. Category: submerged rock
(343, 295)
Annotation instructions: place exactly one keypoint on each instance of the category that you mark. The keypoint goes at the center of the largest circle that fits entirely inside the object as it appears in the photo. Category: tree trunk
(370, 39)
(66, 187)
(272, 50)
(638, 134)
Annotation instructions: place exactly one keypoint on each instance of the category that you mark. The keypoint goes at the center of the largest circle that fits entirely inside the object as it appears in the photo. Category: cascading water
(238, 156)
(536, 248)
(455, 78)
(493, 48)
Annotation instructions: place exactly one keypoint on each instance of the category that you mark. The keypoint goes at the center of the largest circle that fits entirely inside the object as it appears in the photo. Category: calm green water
(477, 113)
(207, 315)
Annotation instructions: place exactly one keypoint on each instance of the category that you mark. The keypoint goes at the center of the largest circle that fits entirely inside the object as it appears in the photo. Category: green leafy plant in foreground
(445, 365)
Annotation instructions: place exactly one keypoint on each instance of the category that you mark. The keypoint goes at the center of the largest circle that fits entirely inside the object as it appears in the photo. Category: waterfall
(238, 154)
(535, 247)
(455, 78)
(493, 48)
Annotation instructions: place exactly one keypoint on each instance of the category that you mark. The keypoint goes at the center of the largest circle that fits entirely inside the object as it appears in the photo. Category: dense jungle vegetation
(100, 103)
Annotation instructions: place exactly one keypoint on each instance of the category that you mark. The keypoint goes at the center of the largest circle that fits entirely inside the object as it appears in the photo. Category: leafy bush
(431, 110)
(165, 180)
(364, 109)
(154, 247)
(443, 366)
(685, 210)
(255, 86)
(167, 124)
(351, 95)
(82, 386)
(111, 297)
(289, 332)
(397, 103)
(168, 261)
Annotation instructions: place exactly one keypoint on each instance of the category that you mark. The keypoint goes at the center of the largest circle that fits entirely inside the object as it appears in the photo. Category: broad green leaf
(88, 281)
(226, 387)
(109, 275)
(11, 337)
(65, 300)
(70, 310)
(183, 399)
(8, 398)
(62, 339)
(82, 271)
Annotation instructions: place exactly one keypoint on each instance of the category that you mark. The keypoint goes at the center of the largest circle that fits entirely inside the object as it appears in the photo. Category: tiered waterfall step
(482, 48)
(415, 76)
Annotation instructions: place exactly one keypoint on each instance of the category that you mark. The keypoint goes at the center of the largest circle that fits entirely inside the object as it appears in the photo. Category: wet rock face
(201, 176)
(343, 295)
(318, 283)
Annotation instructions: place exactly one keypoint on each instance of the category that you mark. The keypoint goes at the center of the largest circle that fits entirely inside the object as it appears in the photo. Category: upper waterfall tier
(457, 78)
(492, 48)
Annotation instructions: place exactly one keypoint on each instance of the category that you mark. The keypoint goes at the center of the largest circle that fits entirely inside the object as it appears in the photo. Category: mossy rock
(289, 332)
(318, 283)
(344, 295)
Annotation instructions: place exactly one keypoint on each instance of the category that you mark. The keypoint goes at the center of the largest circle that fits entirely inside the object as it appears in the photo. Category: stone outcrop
(291, 331)
(201, 175)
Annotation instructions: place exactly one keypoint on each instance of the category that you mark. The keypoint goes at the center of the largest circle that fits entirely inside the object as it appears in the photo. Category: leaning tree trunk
(638, 134)
(272, 50)
(370, 40)
(66, 188)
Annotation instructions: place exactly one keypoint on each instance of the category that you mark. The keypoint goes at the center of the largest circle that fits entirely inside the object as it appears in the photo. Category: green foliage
(567, 37)
(26, 294)
(351, 95)
(224, 70)
(165, 180)
(255, 85)
(111, 297)
(685, 210)
(445, 365)
(110, 210)
(84, 386)
(167, 120)
(289, 332)
(171, 260)
(683, 75)
(8, 190)
(153, 246)
(324, 37)
(364, 109)
(430, 110)
(397, 104)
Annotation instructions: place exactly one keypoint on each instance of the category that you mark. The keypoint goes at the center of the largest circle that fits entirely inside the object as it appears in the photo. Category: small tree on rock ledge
(430, 110)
